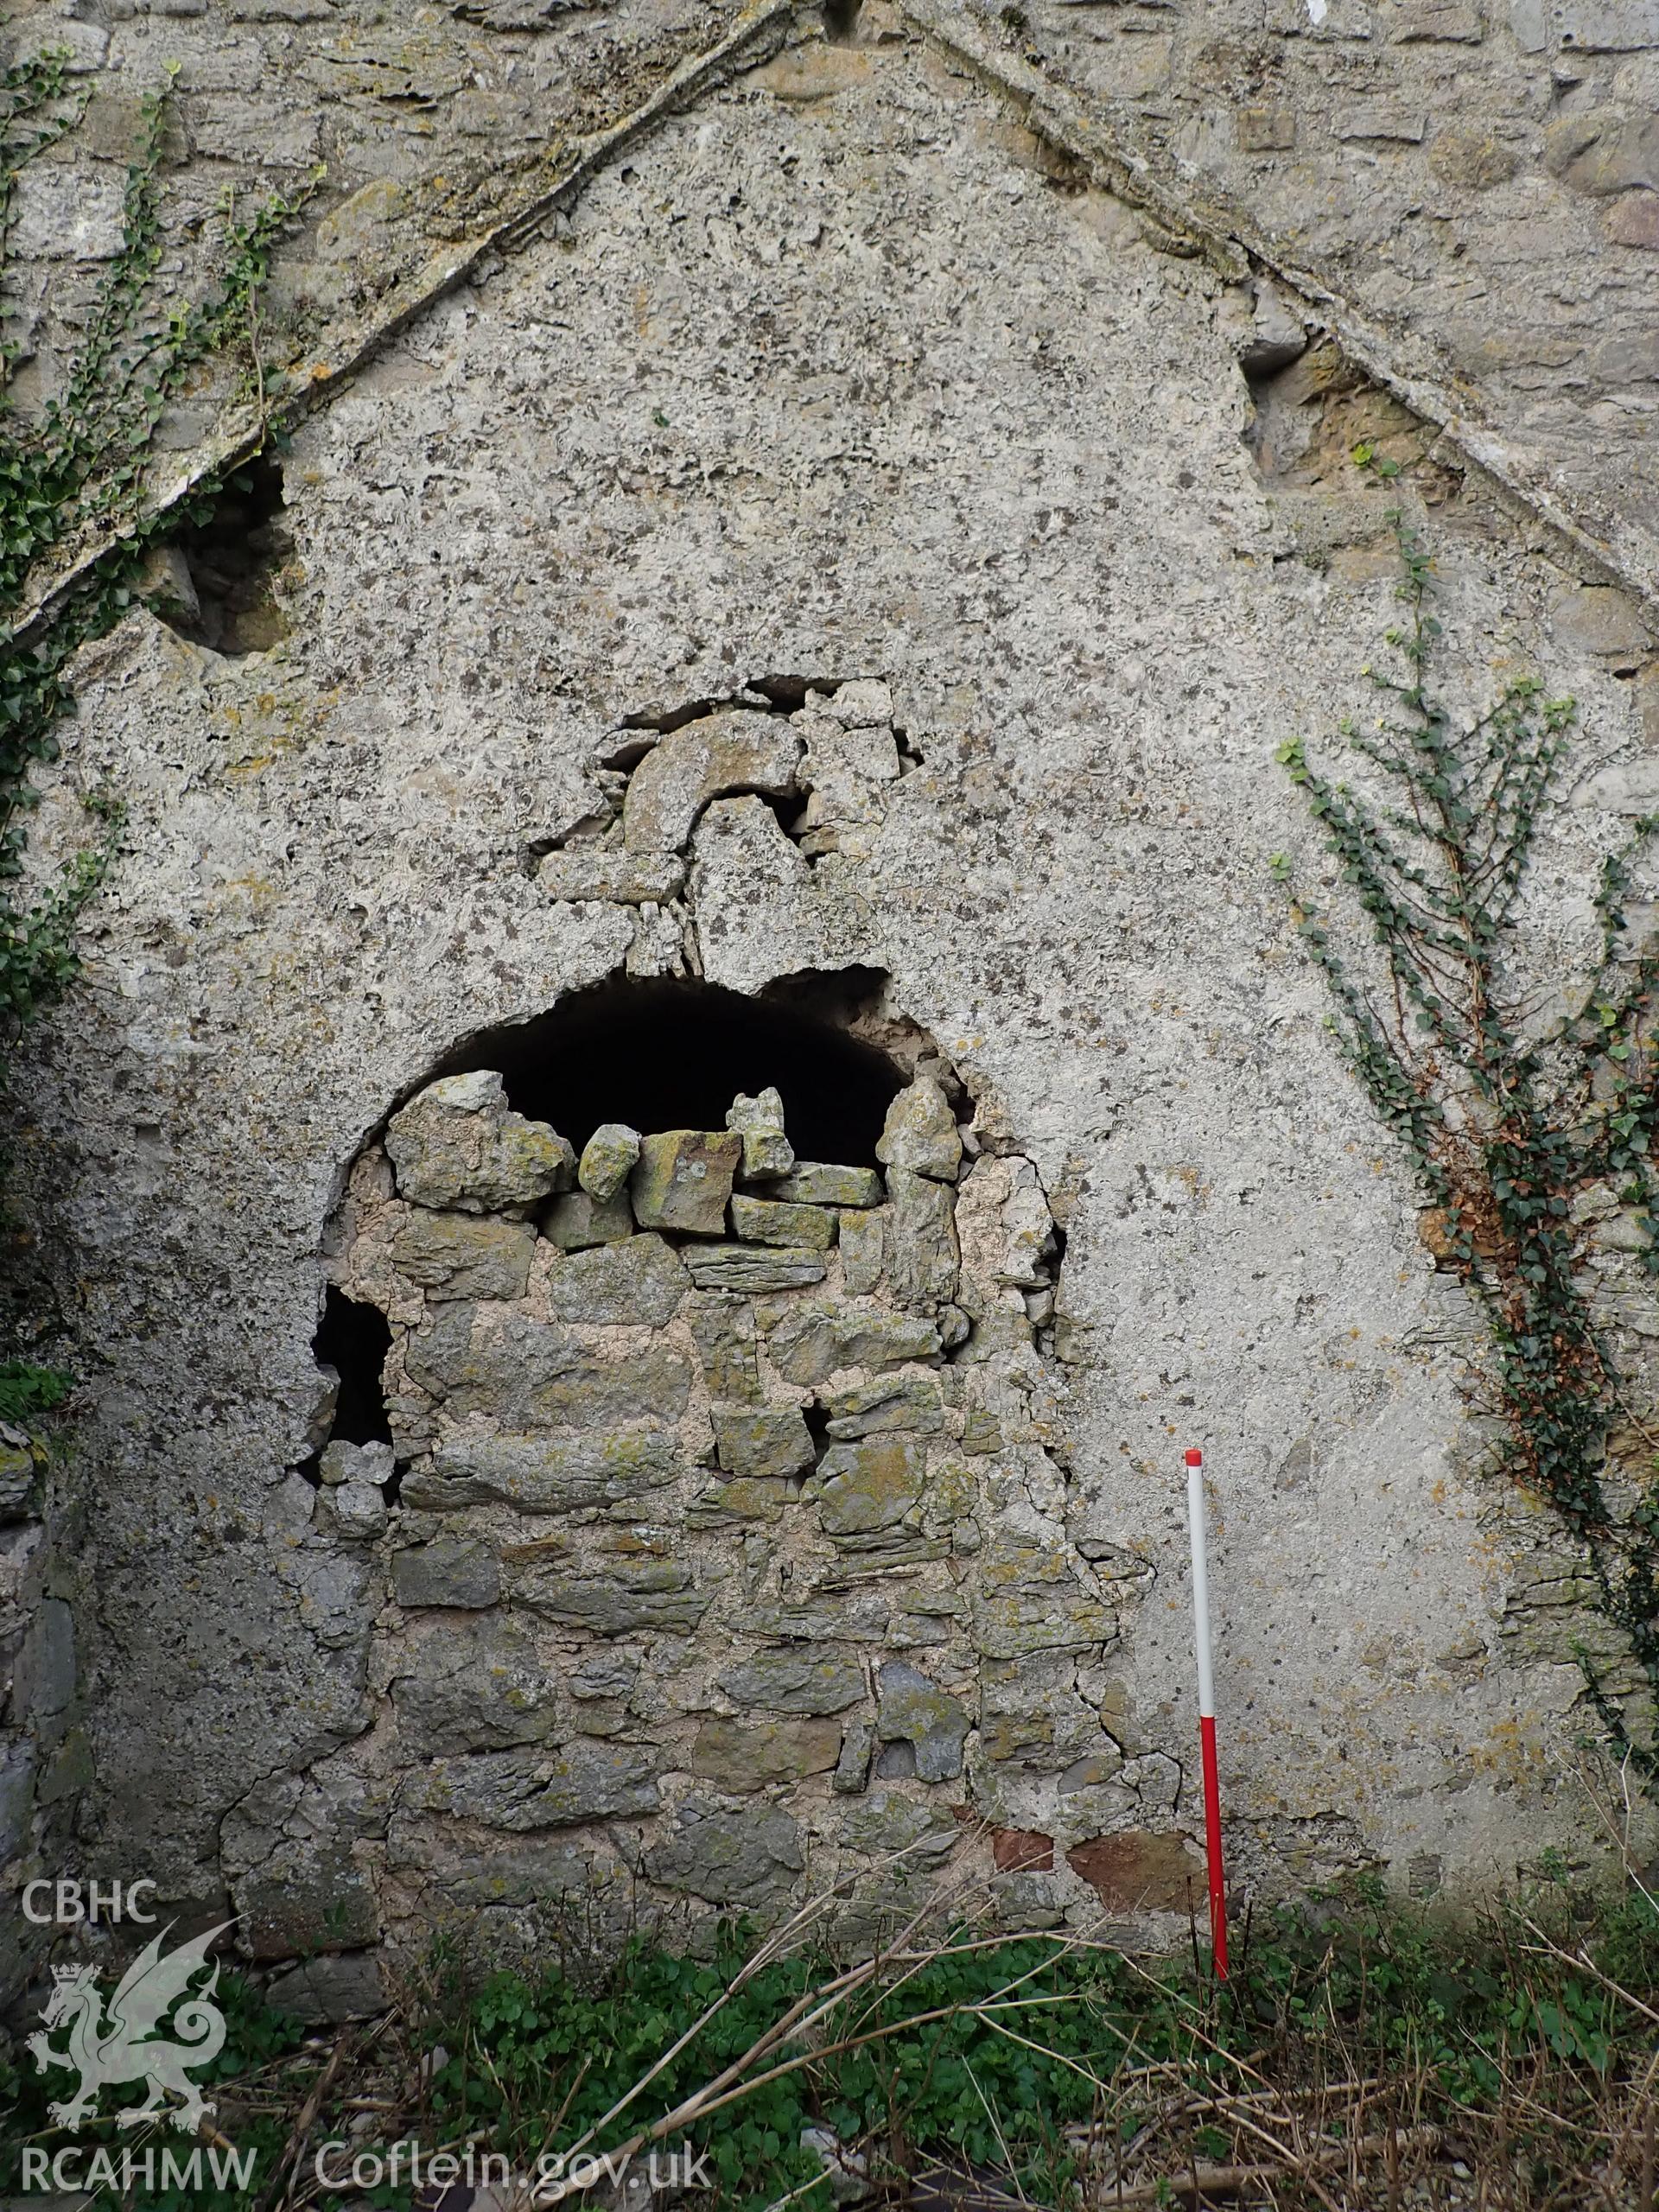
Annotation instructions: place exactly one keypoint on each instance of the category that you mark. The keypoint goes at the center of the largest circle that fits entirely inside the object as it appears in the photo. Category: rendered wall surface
(1472, 186)
(839, 377)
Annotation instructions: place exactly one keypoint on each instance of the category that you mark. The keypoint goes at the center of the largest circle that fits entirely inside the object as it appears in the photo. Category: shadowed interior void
(229, 554)
(355, 1339)
(668, 1055)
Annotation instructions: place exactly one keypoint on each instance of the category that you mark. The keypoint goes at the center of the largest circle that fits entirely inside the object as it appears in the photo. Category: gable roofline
(242, 431)
(1206, 225)
(1411, 366)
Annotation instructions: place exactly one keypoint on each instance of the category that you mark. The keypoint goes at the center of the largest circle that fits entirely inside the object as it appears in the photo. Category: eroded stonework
(850, 543)
(700, 1494)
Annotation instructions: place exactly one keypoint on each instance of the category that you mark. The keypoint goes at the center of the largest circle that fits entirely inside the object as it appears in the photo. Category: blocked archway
(714, 1503)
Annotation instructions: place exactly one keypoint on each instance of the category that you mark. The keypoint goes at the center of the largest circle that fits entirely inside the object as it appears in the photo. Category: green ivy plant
(72, 471)
(1506, 1124)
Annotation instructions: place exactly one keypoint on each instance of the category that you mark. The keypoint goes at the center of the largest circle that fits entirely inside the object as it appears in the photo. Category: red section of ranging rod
(1213, 1845)
(1207, 1715)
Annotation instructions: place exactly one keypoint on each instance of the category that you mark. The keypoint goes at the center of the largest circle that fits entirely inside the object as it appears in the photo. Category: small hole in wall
(212, 581)
(672, 1055)
(788, 694)
(1311, 405)
(841, 20)
(353, 1339)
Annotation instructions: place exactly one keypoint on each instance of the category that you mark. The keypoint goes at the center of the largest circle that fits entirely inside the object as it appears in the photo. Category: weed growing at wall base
(27, 1391)
(1506, 1124)
(1361, 2051)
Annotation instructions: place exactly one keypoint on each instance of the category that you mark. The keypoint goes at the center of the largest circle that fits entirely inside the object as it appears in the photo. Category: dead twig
(1199, 2182)
(300, 2134)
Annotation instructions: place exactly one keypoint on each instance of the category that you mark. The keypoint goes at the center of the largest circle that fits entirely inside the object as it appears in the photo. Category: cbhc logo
(71, 1902)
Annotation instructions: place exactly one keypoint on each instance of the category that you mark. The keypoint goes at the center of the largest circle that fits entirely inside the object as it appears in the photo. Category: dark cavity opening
(216, 580)
(663, 1054)
(354, 1339)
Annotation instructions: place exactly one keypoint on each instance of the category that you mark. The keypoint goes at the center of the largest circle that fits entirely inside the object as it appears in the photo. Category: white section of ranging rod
(1200, 1584)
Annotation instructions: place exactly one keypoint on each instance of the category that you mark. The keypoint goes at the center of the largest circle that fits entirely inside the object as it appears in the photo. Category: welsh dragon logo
(122, 2045)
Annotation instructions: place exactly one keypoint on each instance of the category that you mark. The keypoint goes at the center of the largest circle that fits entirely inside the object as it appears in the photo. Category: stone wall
(1470, 186)
(44, 1755)
(723, 1548)
(1466, 188)
(852, 540)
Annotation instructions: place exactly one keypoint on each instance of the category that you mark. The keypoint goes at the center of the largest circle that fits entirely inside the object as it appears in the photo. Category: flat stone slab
(869, 1485)
(544, 1474)
(638, 1282)
(920, 1132)
(819, 1183)
(480, 1690)
(863, 704)
(773, 1441)
(516, 1791)
(623, 878)
(722, 1328)
(356, 1512)
(1027, 1599)
(498, 1873)
(885, 1824)
(748, 1267)
(607, 1160)
(615, 1599)
(920, 1238)
(788, 1681)
(733, 1505)
(864, 1248)
(853, 1617)
(576, 1221)
(759, 1120)
(464, 1254)
(765, 1220)
(742, 1755)
(727, 1858)
(909, 1401)
(459, 1145)
(448, 1571)
(524, 1374)
(683, 1180)
(910, 1709)
(813, 1341)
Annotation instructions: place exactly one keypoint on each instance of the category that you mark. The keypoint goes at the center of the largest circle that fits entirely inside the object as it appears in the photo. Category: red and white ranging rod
(1207, 1715)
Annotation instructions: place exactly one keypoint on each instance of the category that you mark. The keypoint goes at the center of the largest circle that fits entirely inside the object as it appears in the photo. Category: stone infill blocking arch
(720, 1546)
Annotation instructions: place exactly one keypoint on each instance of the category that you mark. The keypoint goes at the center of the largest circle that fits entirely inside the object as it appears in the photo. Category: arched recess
(652, 1053)
(706, 1541)
(661, 1053)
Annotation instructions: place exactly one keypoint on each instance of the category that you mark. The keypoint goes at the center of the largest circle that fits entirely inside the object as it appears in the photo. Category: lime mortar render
(841, 541)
